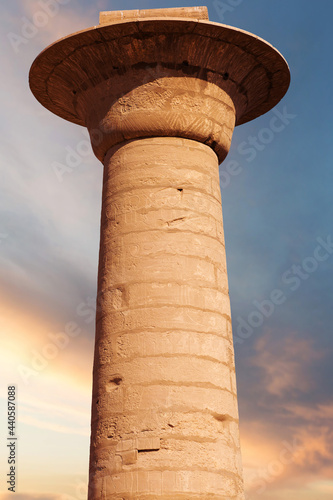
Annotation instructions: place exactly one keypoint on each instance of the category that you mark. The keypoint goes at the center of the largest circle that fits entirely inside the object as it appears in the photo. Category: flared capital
(160, 72)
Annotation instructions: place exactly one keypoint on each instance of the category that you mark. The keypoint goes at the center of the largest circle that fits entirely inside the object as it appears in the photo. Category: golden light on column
(160, 92)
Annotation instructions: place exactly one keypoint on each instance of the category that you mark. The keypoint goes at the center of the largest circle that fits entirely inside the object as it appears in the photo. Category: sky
(278, 217)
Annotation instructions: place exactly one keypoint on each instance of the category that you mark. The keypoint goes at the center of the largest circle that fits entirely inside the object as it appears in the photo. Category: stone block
(107, 17)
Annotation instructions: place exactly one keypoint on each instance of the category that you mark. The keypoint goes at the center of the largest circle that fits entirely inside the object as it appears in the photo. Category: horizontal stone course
(192, 425)
(161, 318)
(164, 397)
(128, 222)
(180, 370)
(166, 267)
(136, 202)
(173, 241)
(181, 453)
(149, 180)
(171, 343)
(163, 293)
(164, 482)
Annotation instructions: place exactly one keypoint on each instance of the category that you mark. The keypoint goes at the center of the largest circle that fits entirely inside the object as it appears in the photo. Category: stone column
(160, 96)
(164, 411)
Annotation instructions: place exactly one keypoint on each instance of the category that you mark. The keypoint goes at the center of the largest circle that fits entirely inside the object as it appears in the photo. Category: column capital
(154, 101)
(142, 77)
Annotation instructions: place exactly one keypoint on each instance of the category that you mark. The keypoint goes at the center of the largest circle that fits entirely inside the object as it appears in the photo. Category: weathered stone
(125, 15)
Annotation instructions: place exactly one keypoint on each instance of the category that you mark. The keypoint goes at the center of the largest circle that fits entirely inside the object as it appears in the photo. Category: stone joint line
(128, 449)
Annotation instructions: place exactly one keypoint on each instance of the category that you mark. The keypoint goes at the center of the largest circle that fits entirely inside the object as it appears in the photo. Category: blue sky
(277, 212)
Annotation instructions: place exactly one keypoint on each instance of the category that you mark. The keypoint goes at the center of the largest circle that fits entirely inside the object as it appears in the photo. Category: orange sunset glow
(276, 209)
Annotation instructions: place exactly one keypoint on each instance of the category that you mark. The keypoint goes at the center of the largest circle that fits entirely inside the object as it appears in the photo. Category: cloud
(276, 460)
(34, 347)
(67, 417)
(312, 413)
(315, 451)
(52, 24)
(39, 368)
(287, 441)
(52, 228)
(285, 363)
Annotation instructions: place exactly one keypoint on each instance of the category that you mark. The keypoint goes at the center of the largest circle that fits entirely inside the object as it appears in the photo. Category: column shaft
(164, 409)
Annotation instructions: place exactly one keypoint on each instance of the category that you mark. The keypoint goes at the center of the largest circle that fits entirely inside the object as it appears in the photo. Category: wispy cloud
(287, 442)
(312, 413)
(64, 417)
(316, 448)
(277, 459)
(285, 363)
